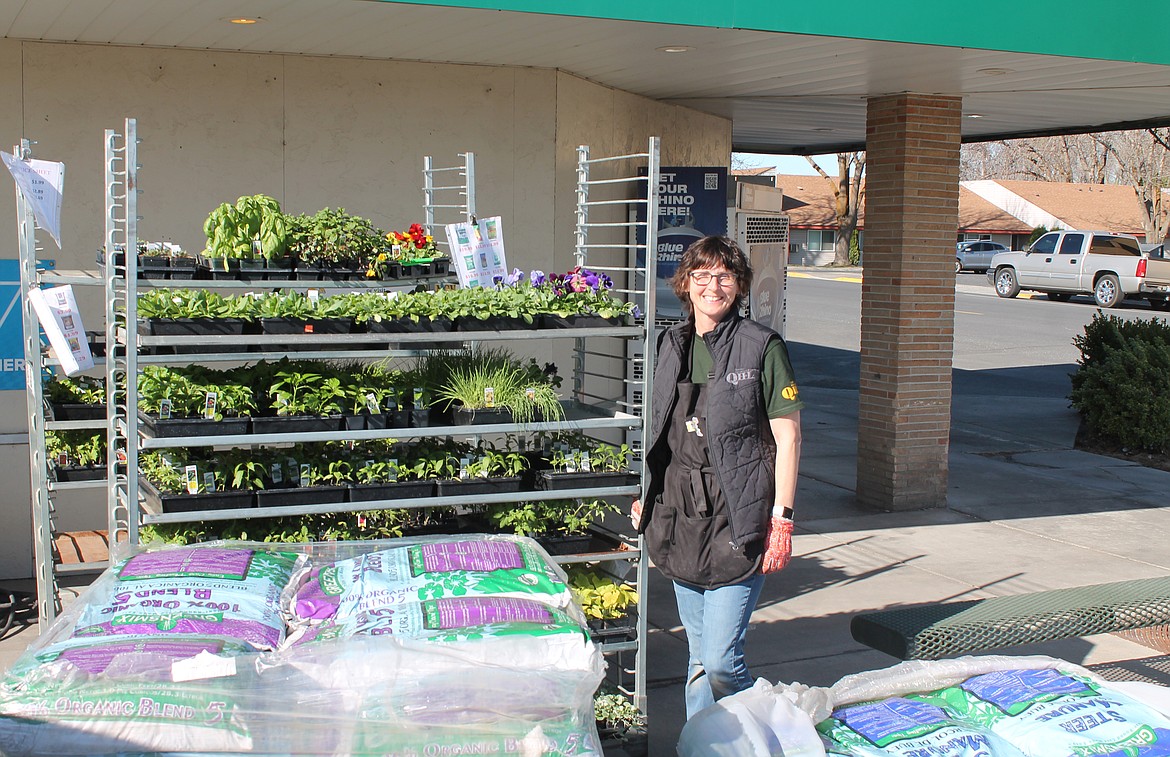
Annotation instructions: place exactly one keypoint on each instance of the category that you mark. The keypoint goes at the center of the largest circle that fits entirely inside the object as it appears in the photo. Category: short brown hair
(712, 252)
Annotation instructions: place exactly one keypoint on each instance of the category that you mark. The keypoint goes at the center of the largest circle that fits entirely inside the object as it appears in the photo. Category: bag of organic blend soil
(202, 591)
(468, 567)
(1047, 713)
(450, 620)
(907, 727)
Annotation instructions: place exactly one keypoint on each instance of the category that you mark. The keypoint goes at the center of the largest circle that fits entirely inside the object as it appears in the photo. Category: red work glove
(777, 545)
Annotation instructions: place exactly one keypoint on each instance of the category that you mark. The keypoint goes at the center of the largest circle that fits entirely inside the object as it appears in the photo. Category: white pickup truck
(1063, 263)
(1156, 286)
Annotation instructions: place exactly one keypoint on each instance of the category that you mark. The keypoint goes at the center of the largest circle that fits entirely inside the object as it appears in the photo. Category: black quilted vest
(740, 442)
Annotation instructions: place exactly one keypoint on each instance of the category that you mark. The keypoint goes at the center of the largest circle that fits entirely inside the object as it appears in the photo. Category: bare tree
(848, 194)
(1143, 159)
(1079, 158)
(1139, 158)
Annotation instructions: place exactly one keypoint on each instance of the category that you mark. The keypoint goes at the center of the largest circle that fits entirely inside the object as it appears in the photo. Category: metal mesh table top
(930, 632)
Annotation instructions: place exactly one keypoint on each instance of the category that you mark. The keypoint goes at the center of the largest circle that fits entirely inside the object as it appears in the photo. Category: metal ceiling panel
(783, 92)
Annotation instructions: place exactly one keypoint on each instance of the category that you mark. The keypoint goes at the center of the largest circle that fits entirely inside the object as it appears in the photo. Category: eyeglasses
(703, 278)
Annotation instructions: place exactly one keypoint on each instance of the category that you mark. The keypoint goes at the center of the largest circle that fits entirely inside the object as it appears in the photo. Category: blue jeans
(716, 622)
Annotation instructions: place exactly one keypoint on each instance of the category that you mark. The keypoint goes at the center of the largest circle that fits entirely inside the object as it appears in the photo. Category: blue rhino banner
(692, 204)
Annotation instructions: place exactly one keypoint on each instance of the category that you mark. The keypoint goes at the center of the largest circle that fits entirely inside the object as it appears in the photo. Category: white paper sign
(56, 309)
(42, 183)
(477, 250)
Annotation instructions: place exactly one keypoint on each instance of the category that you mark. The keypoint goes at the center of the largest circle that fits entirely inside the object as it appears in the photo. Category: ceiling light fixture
(974, 115)
(244, 20)
(674, 49)
(821, 128)
(995, 71)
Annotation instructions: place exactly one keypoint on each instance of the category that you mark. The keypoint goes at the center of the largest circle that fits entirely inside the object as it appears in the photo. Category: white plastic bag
(763, 720)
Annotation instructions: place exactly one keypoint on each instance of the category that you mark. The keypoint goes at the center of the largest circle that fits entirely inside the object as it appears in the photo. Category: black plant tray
(571, 544)
(551, 321)
(188, 503)
(552, 481)
(478, 417)
(285, 326)
(191, 326)
(611, 630)
(466, 486)
(493, 323)
(75, 411)
(296, 424)
(308, 495)
(69, 473)
(410, 326)
(395, 490)
(392, 419)
(626, 742)
(168, 427)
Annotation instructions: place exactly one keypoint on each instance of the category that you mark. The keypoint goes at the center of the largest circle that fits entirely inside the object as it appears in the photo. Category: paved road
(1021, 347)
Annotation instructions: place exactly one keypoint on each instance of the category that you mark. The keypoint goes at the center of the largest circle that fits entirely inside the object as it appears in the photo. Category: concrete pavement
(1025, 512)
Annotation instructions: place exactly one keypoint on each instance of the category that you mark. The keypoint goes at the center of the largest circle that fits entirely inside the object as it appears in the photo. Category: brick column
(908, 300)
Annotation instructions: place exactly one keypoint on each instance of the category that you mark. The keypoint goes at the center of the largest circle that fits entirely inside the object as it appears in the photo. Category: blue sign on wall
(12, 324)
(11, 327)
(692, 204)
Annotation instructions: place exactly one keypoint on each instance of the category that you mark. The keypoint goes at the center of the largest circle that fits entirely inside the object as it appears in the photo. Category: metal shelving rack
(590, 409)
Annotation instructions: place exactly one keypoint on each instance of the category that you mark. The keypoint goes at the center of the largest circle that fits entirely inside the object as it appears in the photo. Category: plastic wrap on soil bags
(987, 706)
(443, 645)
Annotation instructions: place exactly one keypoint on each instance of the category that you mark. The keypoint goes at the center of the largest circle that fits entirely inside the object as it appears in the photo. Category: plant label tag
(257, 249)
(393, 476)
(120, 456)
(191, 477)
(361, 520)
(530, 394)
(164, 408)
(209, 405)
(372, 404)
(314, 296)
(208, 481)
(304, 482)
(489, 396)
(392, 400)
(464, 463)
(63, 459)
(277, 474)
(483, 472)
(418, 398)
(586, 464)
(571, 461)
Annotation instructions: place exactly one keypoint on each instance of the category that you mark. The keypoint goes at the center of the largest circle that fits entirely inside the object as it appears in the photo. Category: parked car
(975, 255)
(1106, 265)
(1156, 286)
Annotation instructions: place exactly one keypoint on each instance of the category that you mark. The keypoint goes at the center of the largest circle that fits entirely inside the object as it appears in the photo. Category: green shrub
(1122, 387)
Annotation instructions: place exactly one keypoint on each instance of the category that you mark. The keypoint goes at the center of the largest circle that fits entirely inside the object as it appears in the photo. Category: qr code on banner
(710, 181)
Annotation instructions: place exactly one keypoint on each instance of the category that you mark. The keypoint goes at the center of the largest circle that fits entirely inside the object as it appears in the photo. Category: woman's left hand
(777, 545)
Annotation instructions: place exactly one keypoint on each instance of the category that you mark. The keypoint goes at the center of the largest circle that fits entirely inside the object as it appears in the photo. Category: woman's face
(712, 292)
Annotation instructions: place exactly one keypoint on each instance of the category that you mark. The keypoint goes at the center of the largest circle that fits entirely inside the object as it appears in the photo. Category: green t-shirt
(781, 396)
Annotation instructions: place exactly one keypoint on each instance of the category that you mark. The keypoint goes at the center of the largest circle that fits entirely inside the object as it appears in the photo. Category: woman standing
(722, 462)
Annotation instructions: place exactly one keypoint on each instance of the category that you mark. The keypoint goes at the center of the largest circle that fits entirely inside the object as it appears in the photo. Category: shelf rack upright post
(638, 192)
(121, 229)
(465, 191)
(48, 604)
